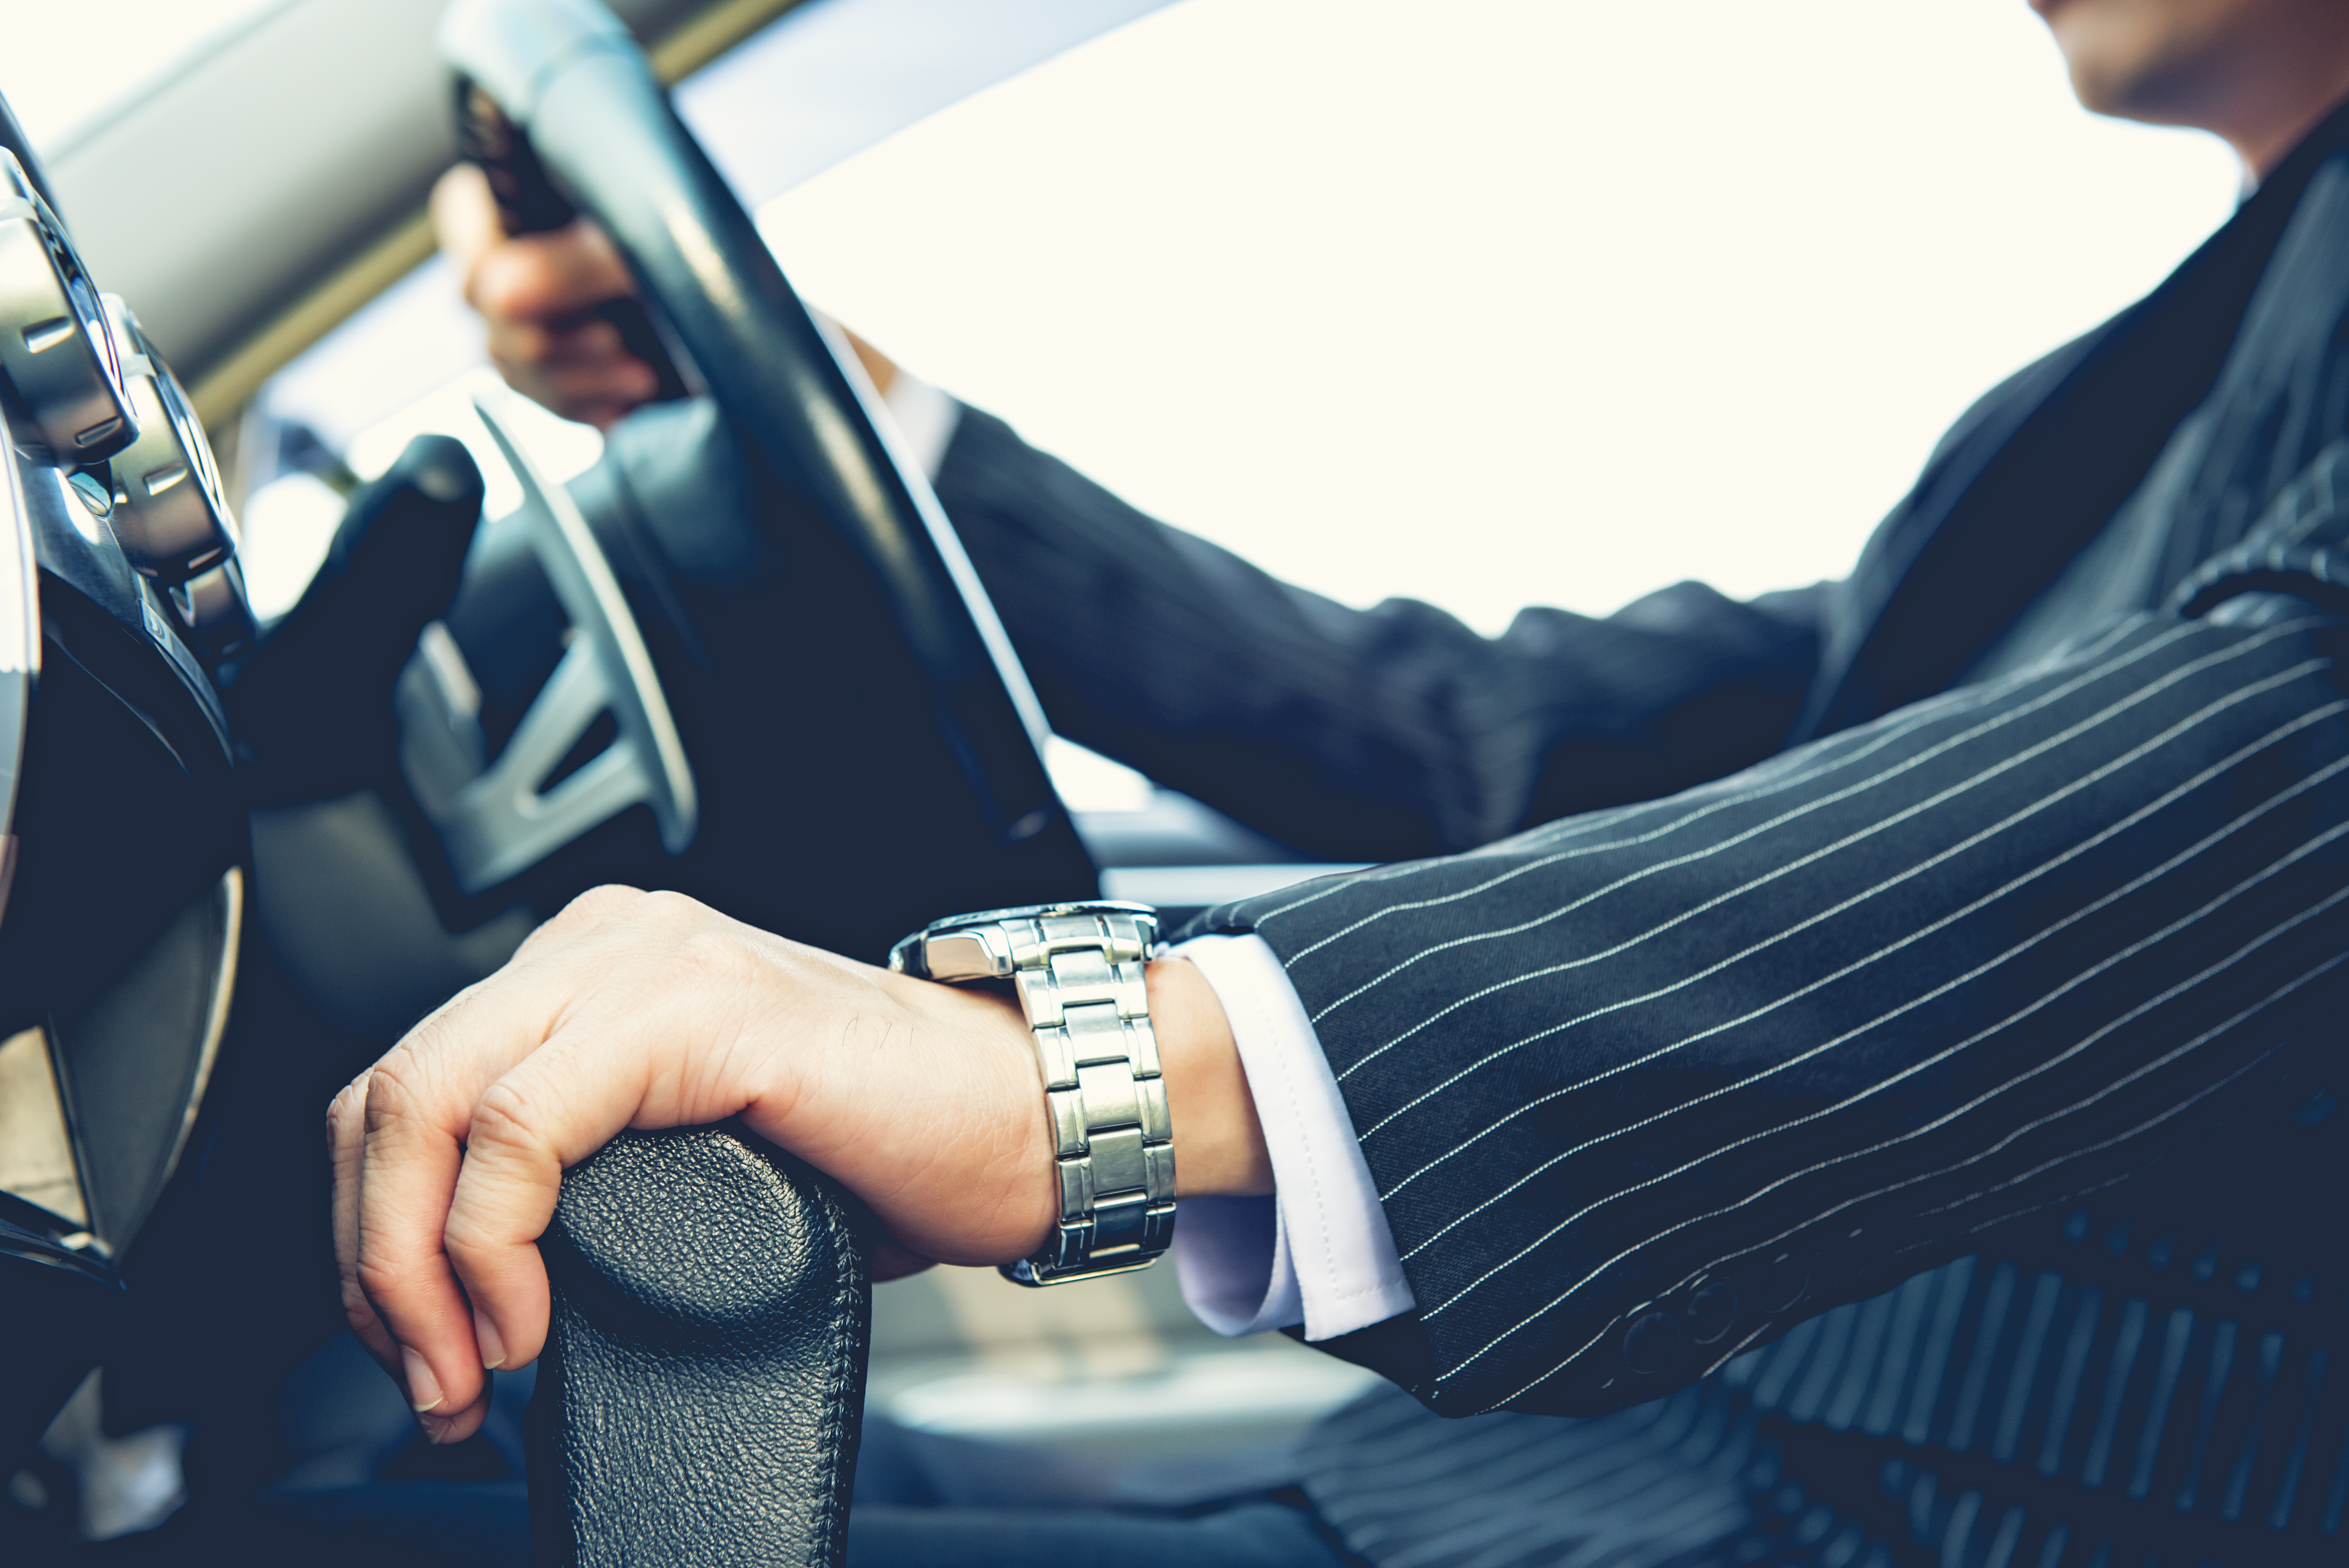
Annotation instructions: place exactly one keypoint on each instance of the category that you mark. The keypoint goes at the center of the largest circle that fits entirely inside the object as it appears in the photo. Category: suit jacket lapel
(2037, 467)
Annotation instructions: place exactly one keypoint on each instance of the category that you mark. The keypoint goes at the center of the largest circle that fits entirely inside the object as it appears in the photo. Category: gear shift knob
(703, 1383)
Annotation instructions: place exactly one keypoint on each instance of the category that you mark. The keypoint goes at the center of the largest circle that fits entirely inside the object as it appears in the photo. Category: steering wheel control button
(1650, 1343)
(173, 523)
(1711, 1312)
(1077, 969)
(90, 487)
(56, 347)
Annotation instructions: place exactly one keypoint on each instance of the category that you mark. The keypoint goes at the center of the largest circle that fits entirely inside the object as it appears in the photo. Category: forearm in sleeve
(1821, 1023)
(1358, 735)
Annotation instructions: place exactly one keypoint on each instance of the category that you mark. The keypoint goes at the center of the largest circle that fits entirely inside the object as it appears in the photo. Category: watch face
(1033, 910)
(989, 957)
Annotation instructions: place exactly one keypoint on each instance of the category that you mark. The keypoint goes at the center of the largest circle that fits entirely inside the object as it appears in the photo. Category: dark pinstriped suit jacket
(1823, 967)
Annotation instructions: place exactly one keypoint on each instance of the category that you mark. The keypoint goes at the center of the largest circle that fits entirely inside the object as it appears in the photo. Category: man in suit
(1880, 1085)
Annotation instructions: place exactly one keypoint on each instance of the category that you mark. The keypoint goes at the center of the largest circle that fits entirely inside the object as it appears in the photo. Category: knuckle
(600, 903)
(475, 1241)
(505, 1119)
(468, 1240)
(376, 1279)
(675, 910)
(393, 1086)
(346, 1108)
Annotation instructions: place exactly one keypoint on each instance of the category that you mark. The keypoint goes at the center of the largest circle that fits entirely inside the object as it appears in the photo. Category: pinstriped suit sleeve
(1644, 1087)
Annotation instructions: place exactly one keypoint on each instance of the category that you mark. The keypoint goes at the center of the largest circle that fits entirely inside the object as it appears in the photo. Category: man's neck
(2261, 154)
(2292, 99)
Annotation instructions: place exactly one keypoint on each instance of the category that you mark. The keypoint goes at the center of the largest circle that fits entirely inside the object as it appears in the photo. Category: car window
(1506, 303)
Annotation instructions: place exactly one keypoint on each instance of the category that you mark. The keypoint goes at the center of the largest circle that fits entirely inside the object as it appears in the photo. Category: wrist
(1219, 1146)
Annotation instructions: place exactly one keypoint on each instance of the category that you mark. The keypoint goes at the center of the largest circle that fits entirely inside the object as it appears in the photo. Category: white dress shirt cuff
(1319, 1252)
(925, 419)
(921, 418)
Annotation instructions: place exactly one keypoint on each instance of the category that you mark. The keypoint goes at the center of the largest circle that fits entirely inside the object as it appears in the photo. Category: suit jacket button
(1711, 1312)
(1650, 1342)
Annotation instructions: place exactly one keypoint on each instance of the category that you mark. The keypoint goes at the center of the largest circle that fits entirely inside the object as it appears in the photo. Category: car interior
(328, 668)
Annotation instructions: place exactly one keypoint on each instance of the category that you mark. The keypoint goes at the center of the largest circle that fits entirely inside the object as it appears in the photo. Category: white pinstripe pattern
(2074, 1194)
(2069, 1195)
(1504, 1458)
(1956, 705)
(2061, 1032)
(2139, 1129)
(1634, 1545)
(1788, 868)
(2007, 763)
(1669, 1496)
(2101, 966)
(1774, 772)
(1797, 768)
(1398, 1419)
(1837, 750)
(1570, 1459)
(2101, 836)
(1407, 1482)
(1953, 1050)
(2191, 663)
(1518, 845)
(1911, 1006)
(2194, 1043)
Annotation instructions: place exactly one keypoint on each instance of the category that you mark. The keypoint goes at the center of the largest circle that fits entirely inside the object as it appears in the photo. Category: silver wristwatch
(1077, 969)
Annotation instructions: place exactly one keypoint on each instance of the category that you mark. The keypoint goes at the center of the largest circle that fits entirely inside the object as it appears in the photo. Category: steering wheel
(752, 662)
(746, 658)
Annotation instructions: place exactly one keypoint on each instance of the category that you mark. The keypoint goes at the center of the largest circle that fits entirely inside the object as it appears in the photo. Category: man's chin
(2124, 61)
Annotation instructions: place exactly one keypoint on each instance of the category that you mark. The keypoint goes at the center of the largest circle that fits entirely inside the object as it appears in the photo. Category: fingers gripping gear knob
(56, 347)
(1078, 970)
(173, 521)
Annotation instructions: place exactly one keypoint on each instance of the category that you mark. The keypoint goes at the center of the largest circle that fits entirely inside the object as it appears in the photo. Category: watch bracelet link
(1077, 973)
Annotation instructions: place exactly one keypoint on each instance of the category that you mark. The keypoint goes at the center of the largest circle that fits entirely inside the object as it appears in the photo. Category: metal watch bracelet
(1077, 969)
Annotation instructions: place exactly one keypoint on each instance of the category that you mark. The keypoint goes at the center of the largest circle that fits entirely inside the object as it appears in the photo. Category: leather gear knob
(701, 1394)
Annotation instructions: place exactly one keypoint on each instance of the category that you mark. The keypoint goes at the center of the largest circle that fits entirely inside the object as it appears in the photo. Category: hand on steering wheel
(650, 1010)
(536, 292)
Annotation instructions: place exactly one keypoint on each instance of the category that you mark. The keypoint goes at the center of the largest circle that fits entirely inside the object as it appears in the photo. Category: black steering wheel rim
(570, 79)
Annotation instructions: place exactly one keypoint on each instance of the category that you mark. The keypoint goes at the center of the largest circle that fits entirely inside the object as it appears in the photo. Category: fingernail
(436, 1427)
(423, 1388)
(494, 1349)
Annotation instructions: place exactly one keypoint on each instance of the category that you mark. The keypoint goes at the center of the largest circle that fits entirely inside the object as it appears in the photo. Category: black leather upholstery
(703, 1383)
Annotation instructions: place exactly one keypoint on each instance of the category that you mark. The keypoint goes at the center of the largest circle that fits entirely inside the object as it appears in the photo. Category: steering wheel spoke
(498, 817)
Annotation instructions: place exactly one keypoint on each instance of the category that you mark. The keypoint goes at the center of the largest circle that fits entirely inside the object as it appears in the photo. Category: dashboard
(123, 864)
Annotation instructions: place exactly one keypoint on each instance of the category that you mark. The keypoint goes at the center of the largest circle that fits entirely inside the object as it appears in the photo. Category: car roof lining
(242, 245)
